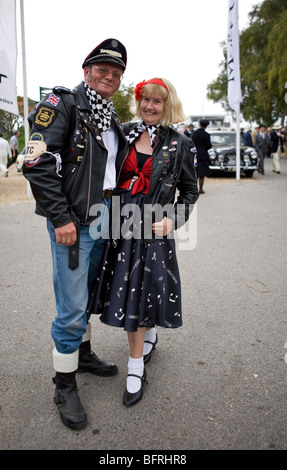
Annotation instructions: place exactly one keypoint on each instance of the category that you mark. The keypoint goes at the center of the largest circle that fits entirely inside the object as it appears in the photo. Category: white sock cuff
(134, 363)
(65, 363)
(150, 335)
(88, 334)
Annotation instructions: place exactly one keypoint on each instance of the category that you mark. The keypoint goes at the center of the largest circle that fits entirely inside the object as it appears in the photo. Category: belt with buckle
(107, 194)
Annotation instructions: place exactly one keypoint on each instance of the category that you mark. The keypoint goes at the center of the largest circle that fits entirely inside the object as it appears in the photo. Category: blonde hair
(173, 112)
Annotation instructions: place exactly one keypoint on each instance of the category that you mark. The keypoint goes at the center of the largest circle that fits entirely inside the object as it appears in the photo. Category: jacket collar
(83, 100)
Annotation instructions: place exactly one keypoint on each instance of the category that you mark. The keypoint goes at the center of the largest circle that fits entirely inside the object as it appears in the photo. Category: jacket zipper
(90, 178)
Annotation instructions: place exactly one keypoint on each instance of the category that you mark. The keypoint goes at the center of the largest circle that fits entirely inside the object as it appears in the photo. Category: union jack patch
(53, 99)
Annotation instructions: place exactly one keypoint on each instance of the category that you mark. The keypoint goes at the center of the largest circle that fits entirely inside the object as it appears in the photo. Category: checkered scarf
(135, 133)
(101, 109)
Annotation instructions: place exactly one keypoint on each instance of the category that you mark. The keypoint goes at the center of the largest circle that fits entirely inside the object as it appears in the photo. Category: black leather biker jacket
(173, 178)
(67, 179)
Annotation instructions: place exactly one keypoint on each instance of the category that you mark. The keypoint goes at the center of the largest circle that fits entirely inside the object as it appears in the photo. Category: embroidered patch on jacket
(37, 136)
(53, 99)
(45, 117)
(30, 163)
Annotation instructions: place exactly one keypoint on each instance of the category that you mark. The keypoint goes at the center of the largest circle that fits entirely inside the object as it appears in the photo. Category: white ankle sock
(135, 366)
(150, 335)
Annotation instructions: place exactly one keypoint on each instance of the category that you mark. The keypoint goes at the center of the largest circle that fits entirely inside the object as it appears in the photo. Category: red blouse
(130, 166)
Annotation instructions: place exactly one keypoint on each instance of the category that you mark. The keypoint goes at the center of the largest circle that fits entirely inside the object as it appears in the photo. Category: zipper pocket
(69, 174)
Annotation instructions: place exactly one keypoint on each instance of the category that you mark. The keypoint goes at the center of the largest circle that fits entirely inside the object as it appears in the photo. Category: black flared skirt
(139, 284)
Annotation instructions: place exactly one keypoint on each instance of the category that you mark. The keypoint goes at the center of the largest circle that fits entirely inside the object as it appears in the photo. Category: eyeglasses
(104, 72)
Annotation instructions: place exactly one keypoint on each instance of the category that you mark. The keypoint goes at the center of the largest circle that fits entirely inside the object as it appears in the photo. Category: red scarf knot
(130, 166)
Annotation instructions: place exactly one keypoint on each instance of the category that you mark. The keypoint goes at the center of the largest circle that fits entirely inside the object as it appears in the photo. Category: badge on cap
(110, 50)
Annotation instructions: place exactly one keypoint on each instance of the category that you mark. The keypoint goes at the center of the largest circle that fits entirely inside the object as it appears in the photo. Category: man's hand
(66, 235)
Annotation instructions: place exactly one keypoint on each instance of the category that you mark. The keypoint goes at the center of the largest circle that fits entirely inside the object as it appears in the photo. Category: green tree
(277, 72)
(217, 90)
(263, 64)
(122, 101)
(8, 122)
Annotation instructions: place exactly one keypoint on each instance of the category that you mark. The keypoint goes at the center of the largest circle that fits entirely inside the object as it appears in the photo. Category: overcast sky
(177, 40)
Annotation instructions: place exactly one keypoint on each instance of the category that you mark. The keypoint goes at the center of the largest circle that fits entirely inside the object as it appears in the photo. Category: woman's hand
(161, 229)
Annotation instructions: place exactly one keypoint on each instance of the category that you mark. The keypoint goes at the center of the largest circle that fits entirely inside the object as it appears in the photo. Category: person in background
(268, 133)
(14, 145)
(261, 147)
(247, 137)
(282, 140)
(254, 133)
(275, 140)
(5, 152)
(189, 130)
(139, 287)
(76, 148)
(202, 142)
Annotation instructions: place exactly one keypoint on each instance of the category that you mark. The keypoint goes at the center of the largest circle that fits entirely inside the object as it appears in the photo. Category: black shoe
(68, 402)
(201, 191)
(147, 356)
(90, 362)
(131, 399)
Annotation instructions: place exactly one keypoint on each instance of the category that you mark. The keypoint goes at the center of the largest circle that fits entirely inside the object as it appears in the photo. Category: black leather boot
(90, 362)
(68, 402)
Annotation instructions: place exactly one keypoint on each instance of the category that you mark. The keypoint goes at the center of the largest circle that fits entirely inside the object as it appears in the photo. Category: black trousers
(12, 160)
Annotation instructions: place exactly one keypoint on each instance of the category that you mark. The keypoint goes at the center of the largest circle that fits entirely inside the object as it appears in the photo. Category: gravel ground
(14, 188)
(217, 383)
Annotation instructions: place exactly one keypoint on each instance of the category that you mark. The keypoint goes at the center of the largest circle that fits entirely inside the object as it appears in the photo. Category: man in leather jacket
(72, 161)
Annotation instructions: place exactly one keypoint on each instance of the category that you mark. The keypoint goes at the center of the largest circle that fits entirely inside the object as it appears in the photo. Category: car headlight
(254, 155)
(212, 154)
(246, 158)
(221, 158)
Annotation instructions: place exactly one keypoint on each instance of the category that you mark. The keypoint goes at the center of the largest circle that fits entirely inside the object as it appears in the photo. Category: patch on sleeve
(53, 99)
(37, 136)
(45, 117)
(35, 149)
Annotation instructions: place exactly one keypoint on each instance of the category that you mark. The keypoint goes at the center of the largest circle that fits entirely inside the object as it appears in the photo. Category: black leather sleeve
(51, 124)
(187, 182)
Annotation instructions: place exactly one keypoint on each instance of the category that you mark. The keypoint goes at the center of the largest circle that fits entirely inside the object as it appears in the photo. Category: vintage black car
(223, 154)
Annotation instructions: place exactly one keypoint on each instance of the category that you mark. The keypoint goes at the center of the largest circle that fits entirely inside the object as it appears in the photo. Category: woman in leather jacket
(139, 287)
